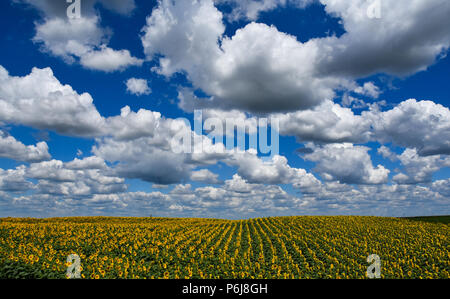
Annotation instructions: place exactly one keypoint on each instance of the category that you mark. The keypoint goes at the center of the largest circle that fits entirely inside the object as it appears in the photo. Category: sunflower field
(280, 248)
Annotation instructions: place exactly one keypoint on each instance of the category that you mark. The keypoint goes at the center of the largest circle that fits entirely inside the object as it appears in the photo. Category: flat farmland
(280, 248)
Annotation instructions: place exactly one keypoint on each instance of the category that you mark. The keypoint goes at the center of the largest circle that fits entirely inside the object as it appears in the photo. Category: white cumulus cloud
(138, 87)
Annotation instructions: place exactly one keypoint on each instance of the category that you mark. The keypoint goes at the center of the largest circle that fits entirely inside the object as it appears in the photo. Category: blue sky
(362, 105)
